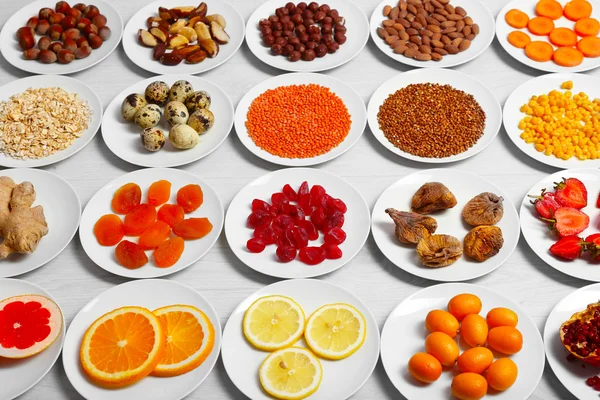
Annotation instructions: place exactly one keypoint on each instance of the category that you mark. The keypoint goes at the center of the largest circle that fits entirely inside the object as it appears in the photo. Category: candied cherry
(316, 194)
(278, 199)
(258, 218)
(285, 253)
(336, 204)
(293, 211)
(332, 252)
(286, 238)
(309, 227)
(335, 220)
(335, 236)
(300, 237)
(258, 204)
(304, 190)
(255, 245)
(318, 217)
(266, 234)
(312, 255)
(290, 192)
(281, 223)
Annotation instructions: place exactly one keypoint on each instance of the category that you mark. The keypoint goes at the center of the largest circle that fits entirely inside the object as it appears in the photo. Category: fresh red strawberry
(568, 221)
(593, 245)
(568, 247)
(545, 204)
(571, 192)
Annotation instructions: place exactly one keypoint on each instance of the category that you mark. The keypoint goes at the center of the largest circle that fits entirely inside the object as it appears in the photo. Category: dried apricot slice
(109, 230)
(172, 214)
(190, 197)
(152, 237)
(139, 219)
(130, 255)
(169, 252)
(159, 192)
(126, 198)
(193, 228)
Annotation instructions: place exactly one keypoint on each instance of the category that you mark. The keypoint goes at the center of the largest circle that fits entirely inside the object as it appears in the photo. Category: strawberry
(568, 247)
(593, 245)
(568, 221)
(571, 192)
(545, 204)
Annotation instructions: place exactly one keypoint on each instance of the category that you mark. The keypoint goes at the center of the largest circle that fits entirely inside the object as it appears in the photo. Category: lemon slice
(292, 373)
(335, 331)
(273, 322)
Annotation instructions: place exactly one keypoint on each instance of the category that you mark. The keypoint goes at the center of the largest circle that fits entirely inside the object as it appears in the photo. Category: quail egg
(197, 100)
(131, 105)
(148, 116)
(201, 120)
(153, 139)
(157, 93)
(180, 91)
(176, 113)
(182, 136)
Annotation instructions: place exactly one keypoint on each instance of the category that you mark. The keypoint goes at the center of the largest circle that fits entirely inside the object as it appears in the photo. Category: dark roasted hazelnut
(269, 40)
(315, 37)
(319, 16)
(280, 41)
(321, 50)
(340, 37)
(296, 19)
(287, 34)
(311, 45)
(287, 49)
(293, 41)
(326, 39)
(304, 37)
(302, 5)
(313, 6)
(332, 47)
(276, 49)
(300, 47)
(294, 56)
(326, 28)
(284, 19)
(307, 14)
(309, 55)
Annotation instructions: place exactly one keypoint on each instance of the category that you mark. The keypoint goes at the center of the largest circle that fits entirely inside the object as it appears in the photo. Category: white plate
(18, 376)
(352, 100)
(142, 56)
(151, 294)
(341, 379)
(528, 7)
(100, 204)
(356, 224)
(70, 85)
(62, 210)
(570, 373)
(458, 80)
(543, 85)
(464, 185)
(123, 137)
(407, 322)
(481, 15)
(14, 55)
(540, 238)
(357, 36)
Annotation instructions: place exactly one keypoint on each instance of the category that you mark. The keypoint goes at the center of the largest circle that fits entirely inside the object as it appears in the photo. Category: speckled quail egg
(201, 120)
(176, 113)
(180, 91)
(153, 139)
(197, 100)
(182, 136)
(148, 116)
(157, 93)
(131, 105)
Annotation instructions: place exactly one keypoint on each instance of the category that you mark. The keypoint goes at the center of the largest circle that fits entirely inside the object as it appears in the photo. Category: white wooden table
(74, 279)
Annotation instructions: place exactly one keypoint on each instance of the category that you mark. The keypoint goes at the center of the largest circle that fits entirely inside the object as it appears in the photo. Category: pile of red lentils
(298, 121)
(431, 120)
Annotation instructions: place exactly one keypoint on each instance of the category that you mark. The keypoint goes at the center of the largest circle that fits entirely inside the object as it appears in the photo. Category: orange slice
(122, 346)
(190, 339)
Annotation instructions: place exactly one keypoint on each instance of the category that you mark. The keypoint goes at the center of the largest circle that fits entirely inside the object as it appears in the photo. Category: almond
(464, 45)
(386, 10)
(381, 32)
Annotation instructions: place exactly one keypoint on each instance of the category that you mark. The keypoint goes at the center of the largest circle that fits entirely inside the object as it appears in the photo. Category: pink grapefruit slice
(29, 324)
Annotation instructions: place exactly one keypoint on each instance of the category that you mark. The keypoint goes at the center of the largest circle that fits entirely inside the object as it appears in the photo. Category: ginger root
(21, 227)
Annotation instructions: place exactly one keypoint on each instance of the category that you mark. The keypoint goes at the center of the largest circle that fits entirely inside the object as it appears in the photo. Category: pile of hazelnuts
(303, 31)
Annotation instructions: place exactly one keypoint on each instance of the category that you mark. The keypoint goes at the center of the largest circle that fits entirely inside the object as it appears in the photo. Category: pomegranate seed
(255, 245)
(597, 387)
(571, 357)
(285, 253)
(312, 255)
(290, 193)
(310, 229)
(591, 381)
(335, 236)
(258, 204)
(332, 252)
(259, 218)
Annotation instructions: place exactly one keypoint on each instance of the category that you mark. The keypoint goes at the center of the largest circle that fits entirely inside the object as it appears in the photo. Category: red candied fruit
(335, 236)
(266, 234)
(335, 220)
(281, 223)
(290, 193)
(258, 218)
(255, 245)
(286, 238)
(336, 204)
(279, 199)
(300, 237)
(260, 205)
(313, 233)
(312, 255)
(332, 252)
(316, 194)
(286, 253)
(297, 213)
(304, 189)
(318, 217)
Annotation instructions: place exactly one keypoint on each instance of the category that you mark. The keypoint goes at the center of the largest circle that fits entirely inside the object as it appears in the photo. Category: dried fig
(432, 196)
(411, 227)
(483, 242)
(483, 209)
(438, 251)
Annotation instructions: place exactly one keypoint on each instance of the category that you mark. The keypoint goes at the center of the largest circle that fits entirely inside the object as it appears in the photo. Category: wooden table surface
(74, 279)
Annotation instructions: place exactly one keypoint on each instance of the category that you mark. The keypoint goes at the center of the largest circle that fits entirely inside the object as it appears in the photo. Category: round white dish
(18, 376)
(404, 334)
(464, 185)
(570, 373)
(142, 56)
(70, 85)
(356, 225)
(357, 36)
(14, 55)
(512, 114)
(62, 210)
(540, 238)
(100, 204)
(458, 80)
(528, 7)
(123, 137)
(151, 294)
(352, 100)
(341, 379)
(481, 15)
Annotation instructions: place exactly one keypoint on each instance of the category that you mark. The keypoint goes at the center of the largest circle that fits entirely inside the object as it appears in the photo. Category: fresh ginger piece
(516, 18)
(519, 39)
(152, 237)
(563, 37)
(126, 198)
(540, 26)
(549, 9)
(567, 57)
(169, 252)
(21, 226)
(539, 51)
(587, 27)
(139, 219)
(130, 255)
(159, 192)
(193, 228)
(577, 9)
(172, 214)
(589, 46)
(109, 230)
(190, 197)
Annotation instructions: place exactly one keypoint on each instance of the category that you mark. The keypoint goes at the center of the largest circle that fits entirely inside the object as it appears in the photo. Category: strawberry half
(568, 247)
(571, 192)
(593, 245)
(545, 204)
(568, 221)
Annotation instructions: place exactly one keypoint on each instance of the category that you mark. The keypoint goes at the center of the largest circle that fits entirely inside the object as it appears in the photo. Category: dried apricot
(126, 198)
(172, 214)
(464, 304)
(424, 367)
(130, 255)
(152, 237)
(442, 321)
(109, 230)
(442, 347)
(159, 192)
(139, 219)
(193, 228)
(190, 197)
(169, 252)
